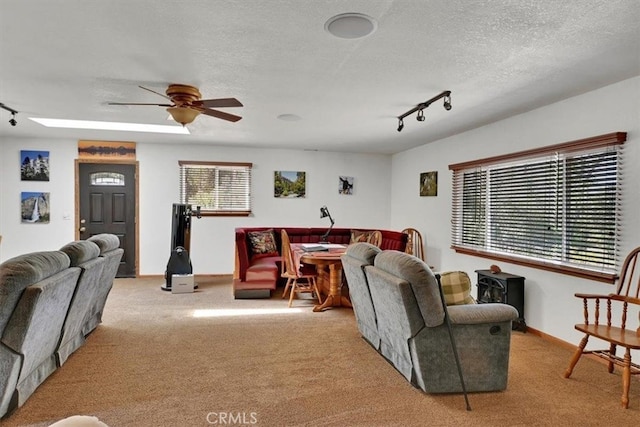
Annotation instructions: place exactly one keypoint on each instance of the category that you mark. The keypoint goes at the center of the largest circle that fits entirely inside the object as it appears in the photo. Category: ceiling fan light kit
(186, 104)
(183, 115)
(420, 108)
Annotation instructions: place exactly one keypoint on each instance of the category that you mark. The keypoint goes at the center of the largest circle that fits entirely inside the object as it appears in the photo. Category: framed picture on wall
(34, 207)
(429, 183)
(289, 185)
(345, 185)
(106, 150)
(34, 165)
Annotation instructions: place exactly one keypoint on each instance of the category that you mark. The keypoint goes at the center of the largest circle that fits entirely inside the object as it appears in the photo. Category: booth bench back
(391, 240)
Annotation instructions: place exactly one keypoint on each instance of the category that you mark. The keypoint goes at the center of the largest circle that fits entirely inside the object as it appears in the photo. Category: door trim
(137, 193)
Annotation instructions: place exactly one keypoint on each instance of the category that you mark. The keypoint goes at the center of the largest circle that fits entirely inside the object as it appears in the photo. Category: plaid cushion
(456, 287)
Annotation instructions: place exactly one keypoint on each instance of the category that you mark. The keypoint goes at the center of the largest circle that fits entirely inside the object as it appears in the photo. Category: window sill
(228, 213)
(561, 269)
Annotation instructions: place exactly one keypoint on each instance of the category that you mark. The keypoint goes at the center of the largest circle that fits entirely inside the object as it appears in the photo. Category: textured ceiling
(67, 58)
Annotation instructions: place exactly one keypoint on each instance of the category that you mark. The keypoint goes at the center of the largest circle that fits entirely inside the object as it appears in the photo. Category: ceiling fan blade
(138, 103)
(218, 103)
(157, 93)
(219, 114)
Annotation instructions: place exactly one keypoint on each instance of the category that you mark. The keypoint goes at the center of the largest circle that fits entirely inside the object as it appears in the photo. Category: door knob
(83, 229)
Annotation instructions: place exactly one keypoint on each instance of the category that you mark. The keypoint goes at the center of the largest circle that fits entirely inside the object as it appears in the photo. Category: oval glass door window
(107, 178)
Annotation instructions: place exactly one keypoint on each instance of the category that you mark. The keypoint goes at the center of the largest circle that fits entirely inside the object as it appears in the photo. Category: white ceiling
(67, 59)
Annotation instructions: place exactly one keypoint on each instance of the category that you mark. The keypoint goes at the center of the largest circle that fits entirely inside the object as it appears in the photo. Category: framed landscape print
(107, 150)
(289, 185)
(34, 165)
(345, 185)
(429, 183)
(34, 207)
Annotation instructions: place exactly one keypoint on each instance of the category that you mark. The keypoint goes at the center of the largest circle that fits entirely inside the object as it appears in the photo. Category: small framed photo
(345, 185)
(34, 207)
(34, 165)
(289, 184)
(429, 184)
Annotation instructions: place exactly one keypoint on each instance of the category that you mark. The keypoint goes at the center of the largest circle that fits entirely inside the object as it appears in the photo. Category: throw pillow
(263, 243)
(456, 287)
(374, 237)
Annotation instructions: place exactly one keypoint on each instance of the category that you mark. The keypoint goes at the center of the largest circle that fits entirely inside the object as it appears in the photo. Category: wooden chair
(293, 274)
(615, 333)
(415, 246)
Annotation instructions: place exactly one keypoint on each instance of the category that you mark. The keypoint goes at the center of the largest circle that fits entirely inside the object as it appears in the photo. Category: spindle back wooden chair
(618, 333)
(415, 245)
(293, 274)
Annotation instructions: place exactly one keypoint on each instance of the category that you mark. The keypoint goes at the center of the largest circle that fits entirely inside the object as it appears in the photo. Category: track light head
(13, 112)
(400, 125)
(447, 102)
(420, 116)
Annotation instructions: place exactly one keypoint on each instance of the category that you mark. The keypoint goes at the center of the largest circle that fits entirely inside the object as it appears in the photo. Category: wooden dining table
(329, 267)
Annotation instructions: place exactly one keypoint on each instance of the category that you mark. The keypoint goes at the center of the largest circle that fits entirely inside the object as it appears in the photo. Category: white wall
(386, 195)
(212, 238)
(549, 302)
(18, 238)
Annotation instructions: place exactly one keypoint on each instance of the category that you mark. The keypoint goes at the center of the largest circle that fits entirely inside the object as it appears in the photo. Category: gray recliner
(355, 258)
(35, 293)
(414, 336)
(83, 254)
(110, 250)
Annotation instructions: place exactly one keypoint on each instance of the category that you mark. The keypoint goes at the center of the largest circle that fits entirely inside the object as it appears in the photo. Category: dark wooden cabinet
(503, 288)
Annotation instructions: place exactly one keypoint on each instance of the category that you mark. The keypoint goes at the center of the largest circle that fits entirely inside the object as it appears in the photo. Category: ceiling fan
(186, 104)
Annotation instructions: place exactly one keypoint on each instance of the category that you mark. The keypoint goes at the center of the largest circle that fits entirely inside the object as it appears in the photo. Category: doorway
(106, 202)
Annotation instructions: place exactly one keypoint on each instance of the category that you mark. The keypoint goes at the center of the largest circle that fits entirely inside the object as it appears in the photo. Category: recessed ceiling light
(289, 117)
(351, 25)
(118, 126)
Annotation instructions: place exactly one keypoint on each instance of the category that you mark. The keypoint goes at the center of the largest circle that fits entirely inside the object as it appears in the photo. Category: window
(107, 178)
(219, 188)
(556, 207)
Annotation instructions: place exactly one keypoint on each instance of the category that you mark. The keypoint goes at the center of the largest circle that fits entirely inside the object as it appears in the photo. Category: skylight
(118, 126)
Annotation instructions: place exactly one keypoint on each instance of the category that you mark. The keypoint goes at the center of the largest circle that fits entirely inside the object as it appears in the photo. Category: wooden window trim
(614, 138)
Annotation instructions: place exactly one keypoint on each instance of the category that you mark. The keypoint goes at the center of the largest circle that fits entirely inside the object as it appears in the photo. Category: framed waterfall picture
(34, 207)
(34, 165)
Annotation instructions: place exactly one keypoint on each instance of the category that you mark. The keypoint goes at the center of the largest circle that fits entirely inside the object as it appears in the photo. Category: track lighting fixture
(447, 102)
(420, 108)
(13, 112)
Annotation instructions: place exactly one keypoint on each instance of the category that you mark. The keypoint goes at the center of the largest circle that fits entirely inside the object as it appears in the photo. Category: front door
(107, 204)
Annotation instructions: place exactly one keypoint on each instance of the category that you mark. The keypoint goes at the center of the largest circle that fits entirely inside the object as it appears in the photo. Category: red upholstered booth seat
(256, 276)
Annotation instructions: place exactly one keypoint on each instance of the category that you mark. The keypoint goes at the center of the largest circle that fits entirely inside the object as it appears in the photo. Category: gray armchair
(111, 251)
(355, 258)
(83, 254)
(35, 293)
(414, 336)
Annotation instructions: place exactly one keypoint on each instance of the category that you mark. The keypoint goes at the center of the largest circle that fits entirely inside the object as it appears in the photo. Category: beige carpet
(152, 363)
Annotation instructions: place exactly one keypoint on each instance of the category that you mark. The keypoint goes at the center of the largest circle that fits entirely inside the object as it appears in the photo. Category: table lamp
(324, 212)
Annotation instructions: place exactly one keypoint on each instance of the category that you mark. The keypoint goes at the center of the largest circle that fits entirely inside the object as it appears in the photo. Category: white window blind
(219, 188)
(557, 206)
